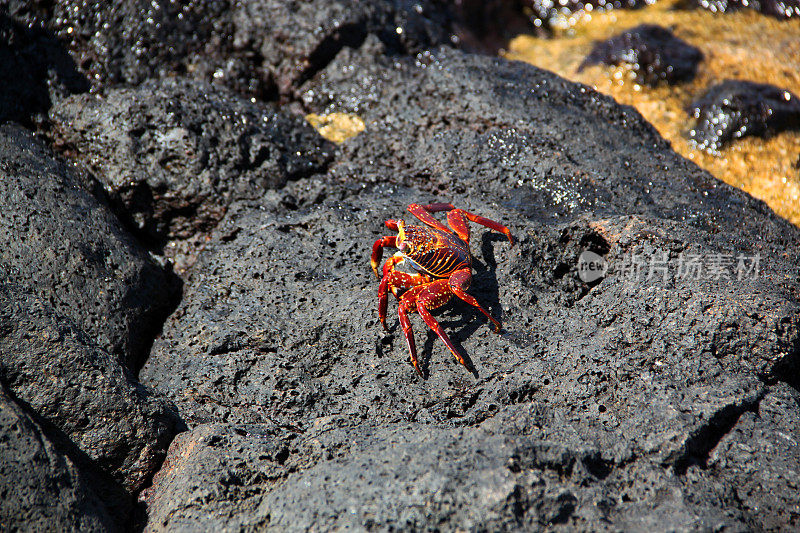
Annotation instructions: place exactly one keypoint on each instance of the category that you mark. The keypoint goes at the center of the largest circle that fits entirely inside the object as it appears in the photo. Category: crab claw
(377, 252)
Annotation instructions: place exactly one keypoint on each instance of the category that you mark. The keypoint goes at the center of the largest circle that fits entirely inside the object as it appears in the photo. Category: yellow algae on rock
(336, 127)
(743, 45)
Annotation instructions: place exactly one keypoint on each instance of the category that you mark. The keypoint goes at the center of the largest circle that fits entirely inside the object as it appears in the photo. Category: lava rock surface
(734, 109)
(173, 154)
(257, 48)
(487, 26)
(214, 464)
(653, 53)
(79, 301)
(57, 239)
(771, 428)
(43, 489)
(661, 393)
(601, 403)
(43, 71)
(79, 388)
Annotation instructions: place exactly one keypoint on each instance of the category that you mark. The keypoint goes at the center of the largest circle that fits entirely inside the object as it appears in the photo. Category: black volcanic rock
(488, 25)
(68, 249)
(780, 9)
(79, 303)
(254, 47)
(43, 489)
(766, 488)
(214, 465)
(417, 477)
(601, 403)
(659, 393)
(38, 70)
(49, 363)
(172, 154)
(652, 52)
(450, 123)
(734, 109)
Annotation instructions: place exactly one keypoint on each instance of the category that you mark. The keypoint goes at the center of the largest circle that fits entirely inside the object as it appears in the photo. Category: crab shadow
(461, 320)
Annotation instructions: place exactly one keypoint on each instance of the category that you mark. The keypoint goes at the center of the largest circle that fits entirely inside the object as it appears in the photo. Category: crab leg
(421, 299)
(408, 304)
(423, 212)
(377, 251)
(388, 267)
(455, 217)
(459, 281)
(394, 280)
(392, 224)
(432, 296)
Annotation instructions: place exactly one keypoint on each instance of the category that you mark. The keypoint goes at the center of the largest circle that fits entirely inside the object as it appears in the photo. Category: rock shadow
(42, 71)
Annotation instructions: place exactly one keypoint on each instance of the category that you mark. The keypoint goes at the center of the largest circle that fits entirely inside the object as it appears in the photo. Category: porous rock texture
(172, 154)
(79, 303)
(653, 396)
(43, 489)
(53, 366)
(67, 247)
(256, 47)
(610, 404)
(773, 429)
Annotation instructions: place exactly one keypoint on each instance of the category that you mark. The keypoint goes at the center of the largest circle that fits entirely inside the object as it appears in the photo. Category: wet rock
(488, 25)
(60, 243)
(80, 389)
(548, 11)
(480, 132)
(649, 365)
(256, 48)
(43, 71)
(172, 154)
(780, 9)
(43, 489)
(734, 109)
(653, 53)
(296, 39)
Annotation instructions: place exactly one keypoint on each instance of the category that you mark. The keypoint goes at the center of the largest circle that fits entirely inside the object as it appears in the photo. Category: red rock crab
(442, 262)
